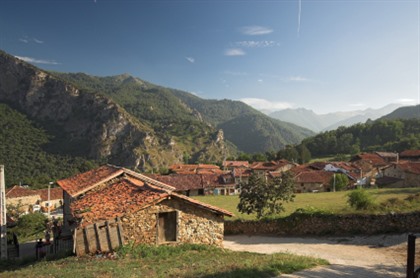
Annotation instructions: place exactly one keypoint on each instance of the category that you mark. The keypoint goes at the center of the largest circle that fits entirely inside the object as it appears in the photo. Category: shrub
(360, 199)
(30, 225)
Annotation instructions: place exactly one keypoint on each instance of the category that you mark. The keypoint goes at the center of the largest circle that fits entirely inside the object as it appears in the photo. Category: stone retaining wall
(328, 225)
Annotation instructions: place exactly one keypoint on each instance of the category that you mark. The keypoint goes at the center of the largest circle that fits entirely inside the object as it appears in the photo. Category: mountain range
(324, 122)
(130, 122)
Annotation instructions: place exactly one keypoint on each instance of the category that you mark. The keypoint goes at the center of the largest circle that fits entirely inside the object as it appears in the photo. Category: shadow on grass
(409, 190)
(243, 273)
(351, 271)
(16, 264)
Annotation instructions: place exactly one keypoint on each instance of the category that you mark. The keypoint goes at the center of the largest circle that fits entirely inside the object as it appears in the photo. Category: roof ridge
(151, 181)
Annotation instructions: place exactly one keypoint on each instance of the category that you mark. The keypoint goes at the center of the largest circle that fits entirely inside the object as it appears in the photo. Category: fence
(102, 236)
(59, 246)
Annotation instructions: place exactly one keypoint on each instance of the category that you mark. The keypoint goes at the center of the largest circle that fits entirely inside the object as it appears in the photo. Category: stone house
(312, 181)
(22, 197)
(26, 197)
(200, 184)
(370, 165)
(151, 212)
(407, 172)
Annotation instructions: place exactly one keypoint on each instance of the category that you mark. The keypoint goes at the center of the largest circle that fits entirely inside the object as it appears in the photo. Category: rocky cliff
(83, 123)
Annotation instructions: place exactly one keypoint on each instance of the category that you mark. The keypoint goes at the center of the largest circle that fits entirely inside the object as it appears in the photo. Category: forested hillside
(380, 135)
(408, 112)
(188, 118)
(249, 129)
(22, 152)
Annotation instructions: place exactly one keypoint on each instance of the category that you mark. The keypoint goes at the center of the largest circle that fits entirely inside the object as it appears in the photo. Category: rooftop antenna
(3, 222)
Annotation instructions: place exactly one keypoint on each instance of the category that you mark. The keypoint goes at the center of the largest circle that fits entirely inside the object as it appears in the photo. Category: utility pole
(3, 223)
(49, 198)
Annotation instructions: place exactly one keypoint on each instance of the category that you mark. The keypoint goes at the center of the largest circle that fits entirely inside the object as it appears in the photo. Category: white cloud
(256, 30)
(234, 52)
(260, 80)
(406, 101)
(37, 61)
(256, 44)
(27, 39)
(357, 104)
(190, 59)
(297, 79)
(38, 41)
(266, 105)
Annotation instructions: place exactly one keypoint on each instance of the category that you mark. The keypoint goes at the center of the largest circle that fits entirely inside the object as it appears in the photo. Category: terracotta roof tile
(314, 177)
(115, 200)
(18, 191)
(180, 182)
(55, 193)
(410, 153)
(410, 167)
(371, 158)
(127, 192)
(83, 182)
(203, 205)
(233, 163)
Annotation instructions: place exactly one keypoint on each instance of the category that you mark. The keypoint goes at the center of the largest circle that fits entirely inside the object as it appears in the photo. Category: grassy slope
(168, 261)
(328, 201)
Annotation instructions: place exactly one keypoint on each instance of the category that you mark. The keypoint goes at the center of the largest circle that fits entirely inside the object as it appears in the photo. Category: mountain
(180, 114)
(91, 125)
(126, 121)
(25, 159)
(309, 119)
(407, 112)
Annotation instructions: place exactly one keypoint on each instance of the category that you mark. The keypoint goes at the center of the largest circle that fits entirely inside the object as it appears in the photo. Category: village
(100, 210)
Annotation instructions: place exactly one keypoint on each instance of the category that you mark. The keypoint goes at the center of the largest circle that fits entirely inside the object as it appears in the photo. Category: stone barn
(147, 211)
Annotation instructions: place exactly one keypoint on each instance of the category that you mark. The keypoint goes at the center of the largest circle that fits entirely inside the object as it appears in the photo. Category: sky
(327, 56)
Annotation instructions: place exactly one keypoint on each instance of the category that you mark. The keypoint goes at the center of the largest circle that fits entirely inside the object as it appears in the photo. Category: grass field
(335, 202)
(168, 261)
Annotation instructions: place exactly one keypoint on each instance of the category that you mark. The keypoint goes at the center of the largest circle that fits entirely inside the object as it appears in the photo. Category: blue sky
(322, 55)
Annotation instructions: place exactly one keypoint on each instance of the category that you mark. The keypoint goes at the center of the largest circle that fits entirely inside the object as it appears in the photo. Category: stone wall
(194, 224)
(301, 225)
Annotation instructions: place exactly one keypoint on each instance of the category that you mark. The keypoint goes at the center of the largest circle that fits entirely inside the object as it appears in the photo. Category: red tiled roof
(128, 192)
(314, 177)
(83, 182)
(55, 193)
(180, 182)
(115, 200)
(194, 168)
(270, 165)
(410, 153)
(19, 191)
(233, 163)
(203, 205)
(372, 158)
(410, 167)
(237, 172)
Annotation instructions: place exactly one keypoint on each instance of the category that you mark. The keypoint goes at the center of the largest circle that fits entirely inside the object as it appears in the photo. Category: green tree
(304, 154)
(339, 182)
(265, 197)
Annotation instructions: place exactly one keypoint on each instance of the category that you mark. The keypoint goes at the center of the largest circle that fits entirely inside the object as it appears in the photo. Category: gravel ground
(357, 256)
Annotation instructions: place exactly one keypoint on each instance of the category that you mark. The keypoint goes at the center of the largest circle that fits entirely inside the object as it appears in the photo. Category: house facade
(407, 172)
(151, 211)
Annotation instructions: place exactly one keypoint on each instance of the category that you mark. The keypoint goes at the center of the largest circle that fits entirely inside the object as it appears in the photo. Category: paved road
(369, 256)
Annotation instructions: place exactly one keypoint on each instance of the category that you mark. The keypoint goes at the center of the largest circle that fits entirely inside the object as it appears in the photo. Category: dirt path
(361, 256)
